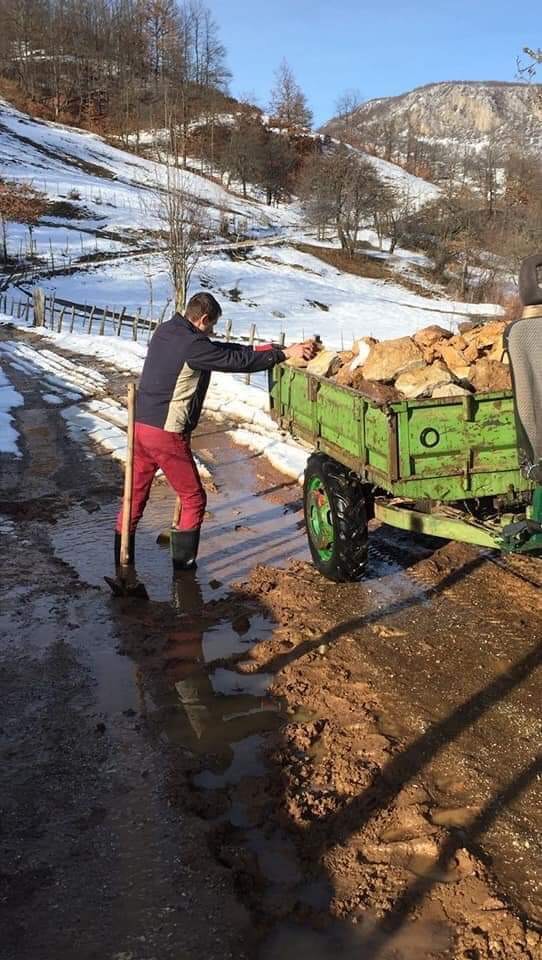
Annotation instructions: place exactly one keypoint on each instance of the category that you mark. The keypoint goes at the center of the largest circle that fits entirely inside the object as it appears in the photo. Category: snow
(113, 190)
(279, 289)
(9, 399)
(412, 188)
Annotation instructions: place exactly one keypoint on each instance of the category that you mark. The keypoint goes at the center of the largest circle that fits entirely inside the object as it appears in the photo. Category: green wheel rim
(319, 519)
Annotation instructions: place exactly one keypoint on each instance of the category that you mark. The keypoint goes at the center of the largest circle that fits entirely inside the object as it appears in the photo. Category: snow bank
(9, 399)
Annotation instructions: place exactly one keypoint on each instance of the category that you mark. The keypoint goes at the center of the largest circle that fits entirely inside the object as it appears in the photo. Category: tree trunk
(180, 292)
(4, 241)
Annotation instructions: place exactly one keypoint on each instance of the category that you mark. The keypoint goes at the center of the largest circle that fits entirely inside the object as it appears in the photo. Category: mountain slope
(468, 112)
(109, 187)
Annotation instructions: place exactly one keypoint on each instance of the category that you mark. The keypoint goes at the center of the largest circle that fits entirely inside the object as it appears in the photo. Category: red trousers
(158, 449)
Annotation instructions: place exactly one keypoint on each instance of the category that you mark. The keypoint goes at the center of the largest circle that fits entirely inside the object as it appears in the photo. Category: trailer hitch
(521, 536)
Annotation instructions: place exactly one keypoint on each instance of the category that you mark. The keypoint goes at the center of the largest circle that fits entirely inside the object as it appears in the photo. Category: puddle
(116, 682)
(243, 527)
(229, 682)
(247, 761)
(174, 675)
(225, 641)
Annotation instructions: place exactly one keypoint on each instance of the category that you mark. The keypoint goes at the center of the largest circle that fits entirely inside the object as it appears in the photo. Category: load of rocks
(432, 363)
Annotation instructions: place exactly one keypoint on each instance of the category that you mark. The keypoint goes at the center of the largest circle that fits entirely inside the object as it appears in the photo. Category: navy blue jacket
(177, 371)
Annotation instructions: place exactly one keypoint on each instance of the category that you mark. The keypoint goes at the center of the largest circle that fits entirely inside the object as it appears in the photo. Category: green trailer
(443, 467)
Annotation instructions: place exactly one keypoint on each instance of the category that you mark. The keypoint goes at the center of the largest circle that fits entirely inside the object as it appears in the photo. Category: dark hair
(200, 304)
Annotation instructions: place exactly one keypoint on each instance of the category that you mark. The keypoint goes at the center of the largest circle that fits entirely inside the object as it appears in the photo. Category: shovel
(126, 584)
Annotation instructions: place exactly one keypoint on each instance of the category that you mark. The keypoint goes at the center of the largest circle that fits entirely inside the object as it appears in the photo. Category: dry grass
(363, 265)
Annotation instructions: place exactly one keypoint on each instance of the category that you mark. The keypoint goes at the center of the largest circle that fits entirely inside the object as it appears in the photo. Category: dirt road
(159, 802)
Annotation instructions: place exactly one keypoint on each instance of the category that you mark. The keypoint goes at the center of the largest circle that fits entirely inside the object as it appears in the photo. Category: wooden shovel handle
(128, 480)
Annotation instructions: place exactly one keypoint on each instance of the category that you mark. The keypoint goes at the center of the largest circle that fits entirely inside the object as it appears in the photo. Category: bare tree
(19, 203)
(527, 70)
(184, 224)
(348, 103)
(343, 189)
(242, 154)
(276, 162)
(288, 105)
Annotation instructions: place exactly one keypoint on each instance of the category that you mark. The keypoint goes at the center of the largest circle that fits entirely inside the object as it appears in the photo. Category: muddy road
(256, 762)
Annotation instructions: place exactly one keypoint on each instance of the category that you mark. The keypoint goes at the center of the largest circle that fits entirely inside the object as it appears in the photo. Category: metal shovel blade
(126, 584)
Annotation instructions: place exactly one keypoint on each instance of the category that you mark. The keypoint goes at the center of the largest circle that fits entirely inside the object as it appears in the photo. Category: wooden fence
(70, 317)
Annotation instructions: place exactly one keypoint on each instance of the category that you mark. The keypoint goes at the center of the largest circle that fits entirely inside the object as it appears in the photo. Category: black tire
(347, 516)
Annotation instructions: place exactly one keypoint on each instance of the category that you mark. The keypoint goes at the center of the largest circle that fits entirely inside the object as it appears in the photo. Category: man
(172, 390)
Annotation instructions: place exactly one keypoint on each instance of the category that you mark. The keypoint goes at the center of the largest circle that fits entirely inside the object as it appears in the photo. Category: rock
(432, 353)
(459, 342)
(379, 393)
(427, 336)
(297, 362)
(345, 376)
(454, 360)
(324, 364)
(345, 358)
(388, 359)
(497, 351)
(450, 390)
(471, 352)
(489, 375)
(362, 347)
(422, 381)
(486, 334)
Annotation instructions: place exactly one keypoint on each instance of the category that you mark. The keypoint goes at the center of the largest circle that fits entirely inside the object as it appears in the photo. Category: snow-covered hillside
(277, 288)
(112, 190)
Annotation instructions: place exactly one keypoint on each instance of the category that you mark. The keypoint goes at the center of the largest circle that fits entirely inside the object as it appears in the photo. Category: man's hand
(301, 351)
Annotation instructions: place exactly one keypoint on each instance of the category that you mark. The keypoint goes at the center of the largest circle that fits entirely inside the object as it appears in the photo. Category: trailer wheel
(336, 519)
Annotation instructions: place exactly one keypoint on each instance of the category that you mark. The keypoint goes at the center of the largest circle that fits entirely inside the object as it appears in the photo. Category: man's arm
(235, 358)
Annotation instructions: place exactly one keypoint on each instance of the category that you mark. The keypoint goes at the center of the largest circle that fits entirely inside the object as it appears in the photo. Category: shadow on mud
(186, 653)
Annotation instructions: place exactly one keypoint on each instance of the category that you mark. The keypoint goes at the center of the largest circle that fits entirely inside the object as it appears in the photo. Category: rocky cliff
(466, 112)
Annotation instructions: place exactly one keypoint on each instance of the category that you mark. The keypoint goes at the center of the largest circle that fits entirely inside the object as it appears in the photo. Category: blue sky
(380, 48)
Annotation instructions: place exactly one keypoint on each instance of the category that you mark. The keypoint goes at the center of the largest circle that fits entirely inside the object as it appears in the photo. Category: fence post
(101, 331)
(73, 318)
(251, 336)
(61, 319)
(27, 314)
(90, 319)
(121, 318)
(136, 323)
(227, 330)
(38, 300)
(282, 339)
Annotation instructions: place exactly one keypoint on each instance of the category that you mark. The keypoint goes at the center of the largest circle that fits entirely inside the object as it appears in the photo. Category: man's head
(203, 311)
